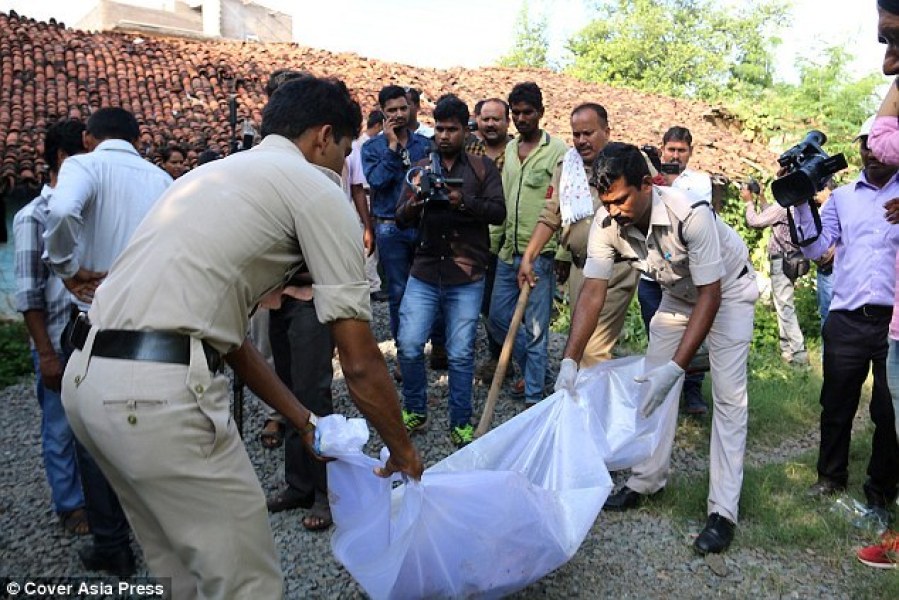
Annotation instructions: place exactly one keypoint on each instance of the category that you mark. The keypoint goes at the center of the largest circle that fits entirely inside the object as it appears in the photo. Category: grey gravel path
(633, 555)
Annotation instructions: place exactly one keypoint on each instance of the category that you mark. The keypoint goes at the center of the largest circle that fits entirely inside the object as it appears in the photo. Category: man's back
(99, 201)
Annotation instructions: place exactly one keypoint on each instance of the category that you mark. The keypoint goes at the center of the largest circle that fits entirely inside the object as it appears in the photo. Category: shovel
(503, 364)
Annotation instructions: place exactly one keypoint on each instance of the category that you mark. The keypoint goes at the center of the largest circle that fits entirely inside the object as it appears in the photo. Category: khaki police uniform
(688, 246)
(214, 244)
(573, 249)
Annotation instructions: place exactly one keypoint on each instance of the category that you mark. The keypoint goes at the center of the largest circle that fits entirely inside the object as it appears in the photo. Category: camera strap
(794, 234)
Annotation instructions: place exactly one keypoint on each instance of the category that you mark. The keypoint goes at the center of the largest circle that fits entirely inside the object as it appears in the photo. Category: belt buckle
(865, 311)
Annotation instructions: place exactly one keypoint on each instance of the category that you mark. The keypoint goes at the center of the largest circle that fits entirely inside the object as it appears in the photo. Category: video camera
(808, 168)
(432, 185)
(655, 157)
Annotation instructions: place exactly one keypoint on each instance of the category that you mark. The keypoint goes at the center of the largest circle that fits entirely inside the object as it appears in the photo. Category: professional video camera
(808, 168)
(432, 184)
(655, 157)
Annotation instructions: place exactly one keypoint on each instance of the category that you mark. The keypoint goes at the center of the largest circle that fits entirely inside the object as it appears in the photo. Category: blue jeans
(460, 305)
(825, 293)
(531, 343)
(58, 444)
(396, 249)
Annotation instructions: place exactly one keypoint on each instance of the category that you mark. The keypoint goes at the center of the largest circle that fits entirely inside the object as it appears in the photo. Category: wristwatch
(311, 424)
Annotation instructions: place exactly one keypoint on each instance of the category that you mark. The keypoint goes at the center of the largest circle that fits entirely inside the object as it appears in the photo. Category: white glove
(567, 376)
(659, 382)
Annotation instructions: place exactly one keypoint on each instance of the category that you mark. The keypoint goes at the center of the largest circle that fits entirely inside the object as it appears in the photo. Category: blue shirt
(853, 219)
(385, 171)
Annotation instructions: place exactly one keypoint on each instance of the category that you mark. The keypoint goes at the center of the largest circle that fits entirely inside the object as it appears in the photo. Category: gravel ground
(632, 555)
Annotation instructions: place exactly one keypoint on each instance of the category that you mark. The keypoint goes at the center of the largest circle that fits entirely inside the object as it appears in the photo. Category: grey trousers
(792, 343)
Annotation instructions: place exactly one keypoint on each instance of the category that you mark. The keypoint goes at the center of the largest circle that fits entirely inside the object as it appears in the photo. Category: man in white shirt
(677, 149)
(99, 200)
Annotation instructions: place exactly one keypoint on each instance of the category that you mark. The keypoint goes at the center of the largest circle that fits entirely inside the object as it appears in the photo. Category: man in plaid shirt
(44, 301)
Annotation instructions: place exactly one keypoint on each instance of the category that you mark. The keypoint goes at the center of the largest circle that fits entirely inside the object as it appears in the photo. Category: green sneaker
(414, 421)
(462, 435)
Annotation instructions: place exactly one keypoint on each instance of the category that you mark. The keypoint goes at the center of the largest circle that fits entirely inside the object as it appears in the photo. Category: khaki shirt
(710, 250)
(226, 234)
(575, 236)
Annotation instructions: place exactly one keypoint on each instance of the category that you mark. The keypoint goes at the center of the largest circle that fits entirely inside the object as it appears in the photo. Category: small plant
(16, 362)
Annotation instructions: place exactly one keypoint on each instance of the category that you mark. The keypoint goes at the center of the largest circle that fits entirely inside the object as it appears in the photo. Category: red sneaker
(884, 555)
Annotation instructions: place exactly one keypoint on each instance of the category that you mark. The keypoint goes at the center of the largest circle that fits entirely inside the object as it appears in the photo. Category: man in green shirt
(529, 163)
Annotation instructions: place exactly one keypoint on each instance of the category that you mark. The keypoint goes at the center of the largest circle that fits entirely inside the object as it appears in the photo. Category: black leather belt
(154, 346)
(876, 311)
(385, 220)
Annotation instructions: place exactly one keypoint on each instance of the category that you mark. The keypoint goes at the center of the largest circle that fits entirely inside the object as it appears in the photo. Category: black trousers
(853, 344)
(302, 349)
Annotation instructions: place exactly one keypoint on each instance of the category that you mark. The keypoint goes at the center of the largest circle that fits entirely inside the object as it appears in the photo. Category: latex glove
(567, 376)
(659, 382)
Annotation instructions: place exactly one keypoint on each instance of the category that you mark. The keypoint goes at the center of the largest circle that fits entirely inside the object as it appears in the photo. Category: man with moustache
(570, 206)
(527, 171)
(448, 270)
(709, 292)
(855, 334)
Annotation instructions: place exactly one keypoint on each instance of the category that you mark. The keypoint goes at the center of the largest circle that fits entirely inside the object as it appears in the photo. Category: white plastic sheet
(498, 514)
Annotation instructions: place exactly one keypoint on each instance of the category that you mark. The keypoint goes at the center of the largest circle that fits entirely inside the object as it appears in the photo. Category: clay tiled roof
(179, 91)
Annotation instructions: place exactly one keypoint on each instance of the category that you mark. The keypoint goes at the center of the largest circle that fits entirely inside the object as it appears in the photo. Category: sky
(473, 33)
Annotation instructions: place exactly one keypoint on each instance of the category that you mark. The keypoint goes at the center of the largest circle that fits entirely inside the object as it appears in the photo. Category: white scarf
(575, 200)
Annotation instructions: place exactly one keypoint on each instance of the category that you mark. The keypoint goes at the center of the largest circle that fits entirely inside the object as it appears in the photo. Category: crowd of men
(138, 282)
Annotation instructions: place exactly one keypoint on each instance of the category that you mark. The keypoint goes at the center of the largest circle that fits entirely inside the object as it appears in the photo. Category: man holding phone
(385, 160)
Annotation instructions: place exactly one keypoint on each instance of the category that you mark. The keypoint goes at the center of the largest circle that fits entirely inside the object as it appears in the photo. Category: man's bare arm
(373, 392)
(700, 322)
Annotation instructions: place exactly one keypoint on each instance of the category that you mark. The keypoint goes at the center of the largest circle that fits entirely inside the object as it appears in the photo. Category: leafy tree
(689, 48)
(531, 41)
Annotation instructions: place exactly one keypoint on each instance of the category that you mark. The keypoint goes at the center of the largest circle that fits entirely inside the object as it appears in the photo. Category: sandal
(75, 522)
(272, 434)
(319, 517)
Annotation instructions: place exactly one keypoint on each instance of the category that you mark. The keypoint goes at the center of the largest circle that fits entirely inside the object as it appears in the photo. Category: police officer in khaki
(144, 391)
(570, 206)
(709, 292)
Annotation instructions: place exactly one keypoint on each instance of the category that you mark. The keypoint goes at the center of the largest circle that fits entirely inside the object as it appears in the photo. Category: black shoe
(289, 499)
(825, 487)
(716, 537)
(117, 562)
(439, 360)
(624, 499)
(694, 403)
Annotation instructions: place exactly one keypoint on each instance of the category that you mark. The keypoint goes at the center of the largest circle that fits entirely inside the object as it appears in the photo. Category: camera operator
(709, 293)
(855, 333)
(792, 343)
(447, 272)
(677, 149)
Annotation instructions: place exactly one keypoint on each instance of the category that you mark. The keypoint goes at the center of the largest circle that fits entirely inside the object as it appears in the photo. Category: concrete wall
(241, 20)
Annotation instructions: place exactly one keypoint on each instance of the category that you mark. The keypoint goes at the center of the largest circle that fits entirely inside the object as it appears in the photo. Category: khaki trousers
(163, 436)
(728, 342)
(611, 319)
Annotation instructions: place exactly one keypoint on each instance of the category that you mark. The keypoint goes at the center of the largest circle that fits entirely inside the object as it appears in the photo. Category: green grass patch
(777, 515)
(16, 361)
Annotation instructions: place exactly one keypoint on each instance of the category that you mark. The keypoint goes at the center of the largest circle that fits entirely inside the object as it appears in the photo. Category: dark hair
(528, 92)
(619, 160)
(678, 134)
(113, 123)
(282, 76)
(414, 95)
(390, 92)
(500, 100)
(166, 152)
(478, 106)
(63, 135)
(374, 118)
(449, 107)
(301, 104)
(207, 156)
(599, 109)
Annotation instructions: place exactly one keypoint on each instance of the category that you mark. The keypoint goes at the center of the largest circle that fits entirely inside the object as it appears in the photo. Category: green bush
(16, 355)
